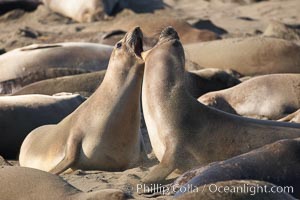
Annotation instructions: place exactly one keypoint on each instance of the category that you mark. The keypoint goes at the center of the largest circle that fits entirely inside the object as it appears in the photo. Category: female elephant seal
(83, 10)
(40, 58)
(248, 56)
(152, 23)
(84, 84)
(183, 132)
(198, 83)
(103, 133)
(21, 183)
(21, 114)
(277, 163)
(269, 96)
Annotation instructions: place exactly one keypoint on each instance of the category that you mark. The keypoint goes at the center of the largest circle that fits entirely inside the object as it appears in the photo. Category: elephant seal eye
(119, 45)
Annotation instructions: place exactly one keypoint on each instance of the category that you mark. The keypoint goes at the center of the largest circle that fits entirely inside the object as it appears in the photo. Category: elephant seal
(39, 57)
(10, 86)
(276, 163)
(103, 133)
(21, 114)
(83, 10)
(293, 117)
(25, 183)
(248, 56)
(237, 190)
(185, 133)
(264, 97)
(198, 82)
(151, 24)
(84, 84)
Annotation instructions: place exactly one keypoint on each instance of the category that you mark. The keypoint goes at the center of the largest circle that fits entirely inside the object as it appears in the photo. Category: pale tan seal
(248, 56)
(82, 10)
(38, 57)
(237, 190)
(20, 183)
(183, 132)
(264, 97)
(103, 133)
(21, 114)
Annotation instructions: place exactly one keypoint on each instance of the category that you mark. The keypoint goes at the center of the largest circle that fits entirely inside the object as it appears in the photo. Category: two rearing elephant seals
(183, 132)
(103, 133)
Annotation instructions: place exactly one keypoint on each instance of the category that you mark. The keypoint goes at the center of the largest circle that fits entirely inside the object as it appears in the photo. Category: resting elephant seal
(269, 96)
(21, 183)
(248, 56)
(21, 114)
(276, 163)
(39, 58)
(83, 10)
(103, 133)
(183, 132)
(198, 83)
(84, 84)
(237, 190)
(151, 24)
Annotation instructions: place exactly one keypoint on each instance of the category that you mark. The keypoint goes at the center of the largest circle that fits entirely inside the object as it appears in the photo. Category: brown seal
(264, 97)
(198, 83)
(248, 56)
(151, 24)
(183, 132)
(103, 133)
(21, 114)
(84, 84)
(28, 184)
(276, 163)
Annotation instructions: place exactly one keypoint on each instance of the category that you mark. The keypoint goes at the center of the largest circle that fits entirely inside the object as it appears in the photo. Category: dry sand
(19, 28)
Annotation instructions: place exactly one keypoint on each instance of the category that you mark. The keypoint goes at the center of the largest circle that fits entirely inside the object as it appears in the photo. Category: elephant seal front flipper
(71, 154)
